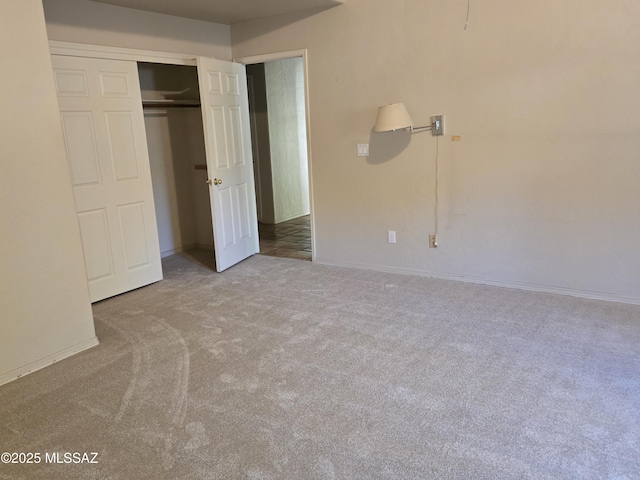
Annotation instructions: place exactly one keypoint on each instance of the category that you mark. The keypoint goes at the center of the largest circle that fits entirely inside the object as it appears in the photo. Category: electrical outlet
(433, 241)
(392, 236)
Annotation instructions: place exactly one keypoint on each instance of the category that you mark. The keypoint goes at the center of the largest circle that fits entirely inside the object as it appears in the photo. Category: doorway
(205, 134)
(175, 140)
(101, 106)
(279, 122)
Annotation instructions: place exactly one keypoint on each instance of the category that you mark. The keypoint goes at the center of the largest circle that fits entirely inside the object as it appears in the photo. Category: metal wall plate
(437, 121)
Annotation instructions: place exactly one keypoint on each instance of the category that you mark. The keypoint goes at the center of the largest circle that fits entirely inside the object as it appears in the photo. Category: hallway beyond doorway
(291, 239)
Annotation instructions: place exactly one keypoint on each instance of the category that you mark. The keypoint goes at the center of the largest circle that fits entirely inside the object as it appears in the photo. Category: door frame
(118, 53)
(268, 57)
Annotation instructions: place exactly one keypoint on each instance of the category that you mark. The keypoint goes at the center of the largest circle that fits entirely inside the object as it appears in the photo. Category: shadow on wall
(385, 146)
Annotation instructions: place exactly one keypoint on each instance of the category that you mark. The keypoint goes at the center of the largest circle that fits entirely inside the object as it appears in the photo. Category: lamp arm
(436, 127)
(423, 128)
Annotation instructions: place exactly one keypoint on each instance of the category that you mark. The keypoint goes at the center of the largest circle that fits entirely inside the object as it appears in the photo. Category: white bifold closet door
(225, 112)
(103, 124)
(101, 111)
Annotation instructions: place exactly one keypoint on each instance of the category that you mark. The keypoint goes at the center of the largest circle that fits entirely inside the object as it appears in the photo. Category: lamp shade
(393, 117)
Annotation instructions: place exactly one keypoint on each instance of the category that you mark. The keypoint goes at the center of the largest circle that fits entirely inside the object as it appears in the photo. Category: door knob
(209, 182)
(217, 181)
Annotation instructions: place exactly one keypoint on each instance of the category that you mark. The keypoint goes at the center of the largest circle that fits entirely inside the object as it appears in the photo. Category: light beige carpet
(284, 369)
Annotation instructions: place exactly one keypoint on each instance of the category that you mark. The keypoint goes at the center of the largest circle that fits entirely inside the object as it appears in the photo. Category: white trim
(293, 217)
(46, 361)
(186, 248)
(269, 57)
(118, 53)
(530, 287)
(176, 250)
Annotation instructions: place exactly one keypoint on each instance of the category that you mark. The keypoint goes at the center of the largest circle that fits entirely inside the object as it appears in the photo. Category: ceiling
(224, 11)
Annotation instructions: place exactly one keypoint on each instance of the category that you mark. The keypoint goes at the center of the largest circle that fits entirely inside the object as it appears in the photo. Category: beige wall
(45, 314)
(45, 308)
(81, 21)
(542, 190)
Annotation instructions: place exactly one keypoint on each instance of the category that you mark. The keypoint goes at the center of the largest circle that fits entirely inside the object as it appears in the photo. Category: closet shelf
(170, 103)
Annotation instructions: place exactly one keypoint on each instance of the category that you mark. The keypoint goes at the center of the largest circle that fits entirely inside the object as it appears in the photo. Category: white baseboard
(46, 361)
(181, 249)
(532, 287)
(186, 248)
(292, 217)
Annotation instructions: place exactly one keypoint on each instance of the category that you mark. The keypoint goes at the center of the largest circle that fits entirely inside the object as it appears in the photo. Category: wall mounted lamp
(396, 117)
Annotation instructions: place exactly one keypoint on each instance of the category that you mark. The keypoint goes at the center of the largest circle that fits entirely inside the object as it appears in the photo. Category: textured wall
(288, 137)
(541, 191)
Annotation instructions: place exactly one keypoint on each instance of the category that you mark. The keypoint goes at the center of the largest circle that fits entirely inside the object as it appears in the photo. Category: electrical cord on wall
(466, 23)
(435, 206)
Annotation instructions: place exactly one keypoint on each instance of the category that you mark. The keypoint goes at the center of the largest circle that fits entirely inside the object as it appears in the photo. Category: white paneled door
(225, 111)
(103, 124)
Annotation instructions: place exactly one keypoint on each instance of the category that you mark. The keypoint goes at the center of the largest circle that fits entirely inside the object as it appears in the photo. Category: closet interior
(175, 139)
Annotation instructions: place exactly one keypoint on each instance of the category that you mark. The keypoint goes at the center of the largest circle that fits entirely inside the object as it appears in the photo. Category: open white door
(225, 112)
(103, 123)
